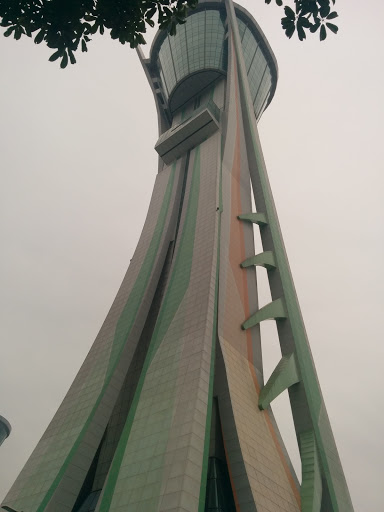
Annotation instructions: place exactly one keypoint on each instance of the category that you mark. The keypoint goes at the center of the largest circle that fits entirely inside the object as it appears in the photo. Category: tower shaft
(169, 411)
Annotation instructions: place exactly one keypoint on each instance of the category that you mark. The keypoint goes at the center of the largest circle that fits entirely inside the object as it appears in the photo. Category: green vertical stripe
(303, 353)
(178, 285)
(133, 303)
(204, 472)
(120, 334)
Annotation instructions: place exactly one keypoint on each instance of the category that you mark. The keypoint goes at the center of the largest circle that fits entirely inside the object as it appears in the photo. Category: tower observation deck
(170, 411)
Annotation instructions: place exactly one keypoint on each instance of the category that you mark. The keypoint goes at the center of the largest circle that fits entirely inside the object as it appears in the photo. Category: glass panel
(163, 81)
(263, 91)
(242, 28)
(214, 39)
(259, 75)
(249, 47)
(195, 30)
(198, 44)
(178, 45)
(256, 73)
(166, 63)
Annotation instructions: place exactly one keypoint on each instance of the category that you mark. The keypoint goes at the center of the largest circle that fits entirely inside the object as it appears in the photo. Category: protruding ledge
(311, 486)
(256, 218)
(189, 133)
(264, 259)
(274, 310)
(284, 376)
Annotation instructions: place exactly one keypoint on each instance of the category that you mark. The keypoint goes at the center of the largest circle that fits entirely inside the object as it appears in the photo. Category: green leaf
(290, 31)
(332, 27)
(324, 10)
(332, 15)
(314, 27)
(40, 36)
(87, 28)
(64, 61)
(301, 33)
(140, 39)
(323, 33)
(55, 55)
(9, 31)
(279, 2)
(150, 13)
(71, 56)
(287, 23)
(289, 13)
(288, 26)
(18, 32)
(304, 22)
(84, 46)
(94, 28)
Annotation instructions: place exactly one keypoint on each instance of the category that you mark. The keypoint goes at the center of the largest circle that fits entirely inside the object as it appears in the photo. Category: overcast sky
(77, 170)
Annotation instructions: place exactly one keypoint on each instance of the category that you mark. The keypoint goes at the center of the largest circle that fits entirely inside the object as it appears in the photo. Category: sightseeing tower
(169, 411)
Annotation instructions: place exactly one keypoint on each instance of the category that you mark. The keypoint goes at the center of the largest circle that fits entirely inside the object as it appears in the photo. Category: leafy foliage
(309, 15)
(66, 25)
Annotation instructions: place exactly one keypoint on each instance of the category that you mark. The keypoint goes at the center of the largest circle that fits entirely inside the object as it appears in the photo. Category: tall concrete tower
(169, 411)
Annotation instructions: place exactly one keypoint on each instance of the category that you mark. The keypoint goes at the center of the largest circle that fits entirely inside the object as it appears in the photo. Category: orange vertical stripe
(237, 255)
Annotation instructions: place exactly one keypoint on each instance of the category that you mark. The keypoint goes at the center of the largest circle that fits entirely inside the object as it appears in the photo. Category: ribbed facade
(169, 411)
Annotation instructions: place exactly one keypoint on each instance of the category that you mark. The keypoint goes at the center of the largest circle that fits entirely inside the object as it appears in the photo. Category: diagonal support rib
(284, 376)
(311, 486)
(264, 259)
(256, 218)
(274, 310)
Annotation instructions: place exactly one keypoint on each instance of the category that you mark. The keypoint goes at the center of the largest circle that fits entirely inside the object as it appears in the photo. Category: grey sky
(77, 168)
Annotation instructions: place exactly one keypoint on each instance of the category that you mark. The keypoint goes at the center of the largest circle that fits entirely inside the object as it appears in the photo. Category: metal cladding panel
(70, 441)
(307, 404)
(161, 459)
(177, 141)
(134, 430)
(255, 456)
